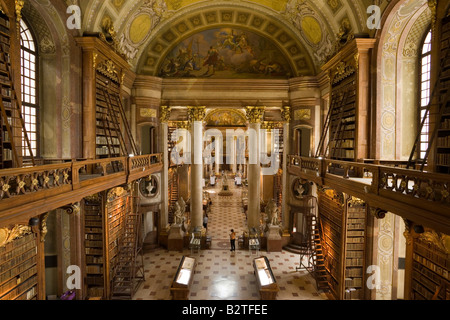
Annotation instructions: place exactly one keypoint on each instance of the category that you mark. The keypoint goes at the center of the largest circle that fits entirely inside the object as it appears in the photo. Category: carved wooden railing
(413, 183)
(422, 193)
(34, 183)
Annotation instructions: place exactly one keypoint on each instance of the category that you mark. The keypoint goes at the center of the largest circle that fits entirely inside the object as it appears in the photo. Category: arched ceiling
(304, 30)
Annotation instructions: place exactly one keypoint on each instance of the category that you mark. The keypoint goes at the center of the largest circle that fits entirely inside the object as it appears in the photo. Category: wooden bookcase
(332, 215)
(19, 260)
(430, 271)
(94, 246)
(355, 264)
(7, 96)
(349, 75)
(104, 72)
(344, 226)
(104, 223)
(109, 139)
(443, 136)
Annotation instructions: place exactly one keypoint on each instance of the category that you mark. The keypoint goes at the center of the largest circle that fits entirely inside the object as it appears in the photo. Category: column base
(175, 241)
(274, 239)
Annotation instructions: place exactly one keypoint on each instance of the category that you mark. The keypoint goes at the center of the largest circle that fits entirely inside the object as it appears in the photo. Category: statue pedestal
(175, 241)
(274, 239)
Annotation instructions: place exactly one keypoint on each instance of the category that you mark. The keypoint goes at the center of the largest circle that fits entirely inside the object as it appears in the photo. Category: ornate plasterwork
(8, 235)
(164, 114)
(196, 114)
(437, 239)
(388, 77)
(255, 114)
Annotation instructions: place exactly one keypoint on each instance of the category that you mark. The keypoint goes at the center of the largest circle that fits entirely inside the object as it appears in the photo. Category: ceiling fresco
(304, 31)
(226, 53)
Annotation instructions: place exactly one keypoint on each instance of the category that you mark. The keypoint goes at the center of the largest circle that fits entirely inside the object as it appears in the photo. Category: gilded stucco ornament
(7, 235)
(18, 7)
(286, 114)
(254, 114)
(432, 4)
(196, 113)
(43, 228)
(164, 114)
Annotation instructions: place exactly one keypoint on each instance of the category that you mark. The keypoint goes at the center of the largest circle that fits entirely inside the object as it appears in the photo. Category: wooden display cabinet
(267, 284)
(183, 279)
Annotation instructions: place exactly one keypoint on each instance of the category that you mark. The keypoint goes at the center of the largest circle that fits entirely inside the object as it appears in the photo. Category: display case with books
(183, 279)
(267, 283)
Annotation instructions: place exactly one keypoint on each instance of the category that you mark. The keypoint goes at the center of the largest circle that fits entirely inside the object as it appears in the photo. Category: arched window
(425, 94)
(30, 102)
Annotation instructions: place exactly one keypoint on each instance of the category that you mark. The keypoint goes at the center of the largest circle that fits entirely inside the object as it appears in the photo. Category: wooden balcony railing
(68, 181)
(425, 195)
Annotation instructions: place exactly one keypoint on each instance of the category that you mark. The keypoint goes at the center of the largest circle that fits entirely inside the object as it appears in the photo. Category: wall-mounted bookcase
(104, 224)
(19, 269)
(443, 135)
(94, 246)
(355, 264)
(348, 120)
(430, 271)
(331, 215)
(344, 223)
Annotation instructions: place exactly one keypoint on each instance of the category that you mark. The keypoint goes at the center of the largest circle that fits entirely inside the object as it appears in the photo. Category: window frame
(421, 153)
(36, 105)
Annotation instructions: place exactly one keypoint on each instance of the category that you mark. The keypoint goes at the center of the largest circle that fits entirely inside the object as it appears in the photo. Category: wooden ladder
(317, 269)
(129, 271)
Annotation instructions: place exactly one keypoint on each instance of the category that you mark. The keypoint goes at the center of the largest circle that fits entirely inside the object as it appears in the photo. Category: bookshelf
(117, 208)
(6, 94)
(109, 139)
(344, 229)
(106, 131)
(104, 222)
(349, 74)
(443, 135)
(94, 248)
(19, 269)
(331, 214)
(355, 265)
(430, 271)
(343, 119)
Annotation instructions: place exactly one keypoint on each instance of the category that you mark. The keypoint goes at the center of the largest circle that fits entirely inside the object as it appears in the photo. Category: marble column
(254, 116)
(164, 132)
(285, 209)
(196, 117)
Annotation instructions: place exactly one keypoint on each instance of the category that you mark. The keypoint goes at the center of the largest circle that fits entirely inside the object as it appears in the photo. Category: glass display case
(183, 279)
(267, 283)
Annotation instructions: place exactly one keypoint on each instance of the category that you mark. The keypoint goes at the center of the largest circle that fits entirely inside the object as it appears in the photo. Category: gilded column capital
(286, 113)
(196, 114)
(18, 8)
(164, 114)
(432, 4)
(255, 114)
(43, 227)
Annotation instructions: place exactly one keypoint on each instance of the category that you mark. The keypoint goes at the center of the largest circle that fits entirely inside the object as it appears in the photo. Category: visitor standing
(233, 240)
(205, 221)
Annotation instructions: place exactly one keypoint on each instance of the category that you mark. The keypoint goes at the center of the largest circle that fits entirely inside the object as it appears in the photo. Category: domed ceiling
(248, 38)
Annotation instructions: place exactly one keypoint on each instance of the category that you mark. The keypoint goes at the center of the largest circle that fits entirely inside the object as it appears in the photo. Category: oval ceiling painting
(226, 53)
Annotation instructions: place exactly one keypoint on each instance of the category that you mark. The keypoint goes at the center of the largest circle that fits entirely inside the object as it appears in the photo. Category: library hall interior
(224, 150)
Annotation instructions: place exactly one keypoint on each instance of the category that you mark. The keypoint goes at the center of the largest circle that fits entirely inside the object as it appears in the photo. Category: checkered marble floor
(221, 274)
(226, 213)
